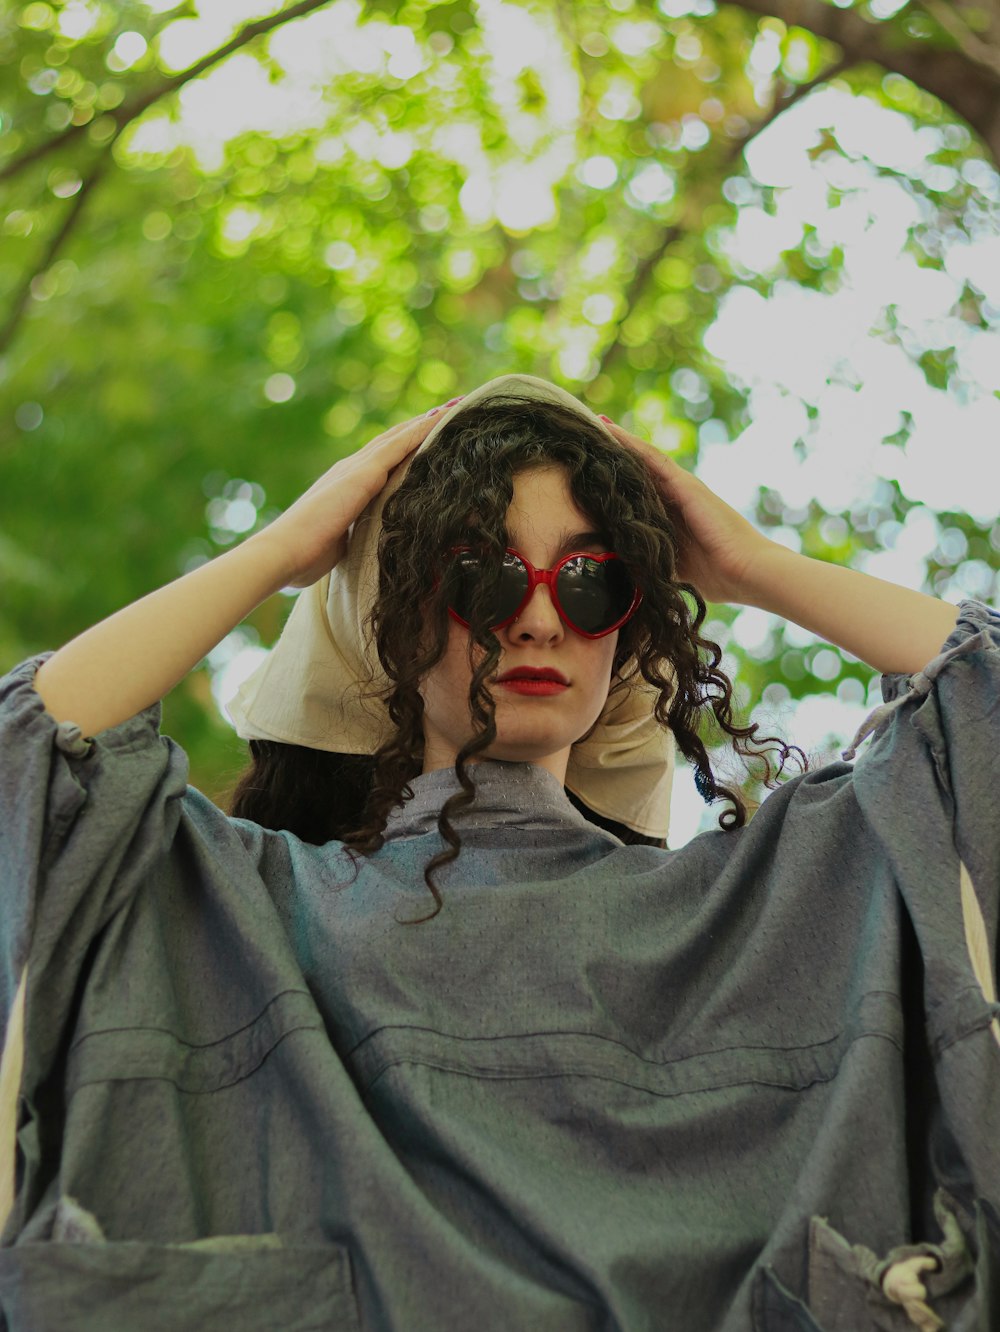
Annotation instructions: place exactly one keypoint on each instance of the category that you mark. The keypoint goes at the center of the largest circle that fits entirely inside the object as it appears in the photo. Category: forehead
(543, 500)
(544, 521)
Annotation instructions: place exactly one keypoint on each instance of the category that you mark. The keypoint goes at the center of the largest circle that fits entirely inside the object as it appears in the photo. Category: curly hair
(464, 479)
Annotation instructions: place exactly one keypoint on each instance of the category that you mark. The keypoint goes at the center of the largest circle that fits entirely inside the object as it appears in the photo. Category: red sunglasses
(593, 594)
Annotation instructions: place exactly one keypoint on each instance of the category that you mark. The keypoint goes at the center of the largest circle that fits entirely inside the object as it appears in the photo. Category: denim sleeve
(82, 819)
(928, 785)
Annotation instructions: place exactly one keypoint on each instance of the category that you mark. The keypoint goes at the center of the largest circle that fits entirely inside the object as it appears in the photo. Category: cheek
(448, 681)
(604, 669)
(608, 646)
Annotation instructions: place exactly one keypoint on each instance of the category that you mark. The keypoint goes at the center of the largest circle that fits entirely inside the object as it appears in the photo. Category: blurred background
(237, 239)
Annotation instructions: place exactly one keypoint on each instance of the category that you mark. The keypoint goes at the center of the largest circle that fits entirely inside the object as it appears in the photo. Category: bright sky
(793, 349)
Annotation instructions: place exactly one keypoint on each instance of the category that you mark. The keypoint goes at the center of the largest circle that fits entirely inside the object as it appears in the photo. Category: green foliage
(227, 321)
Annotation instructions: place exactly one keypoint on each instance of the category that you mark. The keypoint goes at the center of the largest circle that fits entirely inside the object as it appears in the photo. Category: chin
(523, 754)
(528, 749)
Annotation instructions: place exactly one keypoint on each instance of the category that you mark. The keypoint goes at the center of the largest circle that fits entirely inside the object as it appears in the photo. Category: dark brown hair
(465, 479)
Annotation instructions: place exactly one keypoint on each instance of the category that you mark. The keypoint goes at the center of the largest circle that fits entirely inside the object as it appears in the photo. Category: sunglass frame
(549, 577)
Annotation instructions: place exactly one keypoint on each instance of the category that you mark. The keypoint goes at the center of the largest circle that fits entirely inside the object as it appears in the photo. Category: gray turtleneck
(508, 795)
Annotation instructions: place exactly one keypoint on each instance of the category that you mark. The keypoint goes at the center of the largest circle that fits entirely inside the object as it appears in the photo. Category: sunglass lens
(513, 585)
(595, 594)
(466, 581)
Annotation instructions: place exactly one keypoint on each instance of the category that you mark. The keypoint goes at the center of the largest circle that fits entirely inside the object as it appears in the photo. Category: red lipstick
(540, 681)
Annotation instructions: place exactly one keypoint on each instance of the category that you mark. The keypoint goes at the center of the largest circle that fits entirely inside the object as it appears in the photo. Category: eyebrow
(580, 540)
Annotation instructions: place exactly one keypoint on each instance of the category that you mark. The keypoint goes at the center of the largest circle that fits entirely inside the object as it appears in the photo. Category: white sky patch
(460, 142)
(187, 40)
(979, 357)
(978, 262)
(238, 95)
(863, 129)
(824, 723)
(235, 98)
(763, 455)
(390, 149)
(518, 41)
(752, 627)
(330, 42)
(803, 341)
(689, 814)
(652, 184)
(128, 48)
(600, 256)
(839, 464)
(599, 172)
(923, 294)
(792, 339)
(521, 192)
(77, 19)
(231, 663)
(951, 458)
(903, 561)
(761, 237)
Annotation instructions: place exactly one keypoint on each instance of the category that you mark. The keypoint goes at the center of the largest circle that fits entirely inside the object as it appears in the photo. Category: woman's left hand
(893, 629)
(718, 547)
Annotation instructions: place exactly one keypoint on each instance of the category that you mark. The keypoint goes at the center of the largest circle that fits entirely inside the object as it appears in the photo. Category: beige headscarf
(320, 683)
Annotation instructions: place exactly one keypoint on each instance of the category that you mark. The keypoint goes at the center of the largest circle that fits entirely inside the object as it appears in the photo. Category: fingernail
(453, 401)
(608, 419)
(433, 411)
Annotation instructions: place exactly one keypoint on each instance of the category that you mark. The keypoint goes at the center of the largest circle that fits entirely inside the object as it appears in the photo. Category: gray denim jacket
(753, 1083)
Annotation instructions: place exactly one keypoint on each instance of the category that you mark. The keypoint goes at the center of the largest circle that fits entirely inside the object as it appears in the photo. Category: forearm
(893, 629)
(134, 657)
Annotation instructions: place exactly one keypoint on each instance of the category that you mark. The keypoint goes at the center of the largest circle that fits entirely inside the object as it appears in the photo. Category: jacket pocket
(776, 1309)
(953, 1284)
(983, 1313)
(252, 1283)
(926, 1285)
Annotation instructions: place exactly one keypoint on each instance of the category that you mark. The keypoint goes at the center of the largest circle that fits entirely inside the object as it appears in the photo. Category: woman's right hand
(311, 536)
(128, 661)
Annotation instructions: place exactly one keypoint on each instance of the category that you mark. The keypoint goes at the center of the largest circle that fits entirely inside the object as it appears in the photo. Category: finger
(403, 435)
(428, 418)
(634, 441)
(660, 461)
(422, 425)
(409, 436)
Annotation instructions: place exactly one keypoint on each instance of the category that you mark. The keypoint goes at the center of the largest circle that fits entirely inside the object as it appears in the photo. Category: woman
(746, 1084)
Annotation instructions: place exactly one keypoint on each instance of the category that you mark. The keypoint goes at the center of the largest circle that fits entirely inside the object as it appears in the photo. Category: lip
(533, 673)
(541, 682)
(540, 688)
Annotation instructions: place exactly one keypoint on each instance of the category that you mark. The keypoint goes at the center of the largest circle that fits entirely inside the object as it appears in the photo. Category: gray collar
(507, 795)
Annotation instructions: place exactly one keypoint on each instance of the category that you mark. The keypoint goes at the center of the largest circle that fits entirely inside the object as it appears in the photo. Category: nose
(538, 620)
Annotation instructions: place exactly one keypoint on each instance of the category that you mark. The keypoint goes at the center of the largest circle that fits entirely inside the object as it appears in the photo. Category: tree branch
(947, 17)
(969, 87)
(129, 110)
(19, 304)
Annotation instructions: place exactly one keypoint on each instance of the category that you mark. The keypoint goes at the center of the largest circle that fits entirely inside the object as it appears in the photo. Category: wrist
(769, 573)
(269, 561)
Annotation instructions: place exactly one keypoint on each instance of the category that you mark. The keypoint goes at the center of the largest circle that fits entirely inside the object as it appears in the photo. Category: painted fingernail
(453, 401)
(608, 419)
(433, 411)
